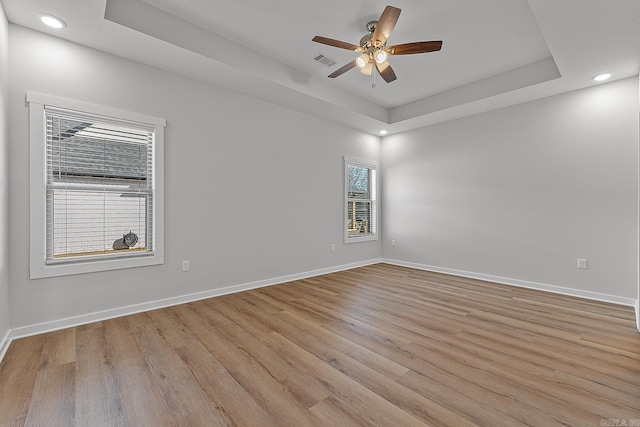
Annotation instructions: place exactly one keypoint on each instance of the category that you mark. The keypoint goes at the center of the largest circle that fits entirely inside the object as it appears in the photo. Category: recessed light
(53, 22)
(383, 132)
(602, 77)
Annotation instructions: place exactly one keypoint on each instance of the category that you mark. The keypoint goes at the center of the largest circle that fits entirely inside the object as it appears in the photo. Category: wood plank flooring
(377, 346)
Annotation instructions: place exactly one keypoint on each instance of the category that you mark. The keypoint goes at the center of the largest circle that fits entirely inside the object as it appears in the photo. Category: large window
(95, 189)
(360, 200)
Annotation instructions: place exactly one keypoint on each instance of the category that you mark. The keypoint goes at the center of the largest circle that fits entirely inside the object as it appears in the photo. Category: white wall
(253, 190)
(519, 194)
(4, 176)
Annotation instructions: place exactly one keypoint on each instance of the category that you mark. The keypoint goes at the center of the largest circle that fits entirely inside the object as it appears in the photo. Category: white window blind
(361, 200)
(99, 187)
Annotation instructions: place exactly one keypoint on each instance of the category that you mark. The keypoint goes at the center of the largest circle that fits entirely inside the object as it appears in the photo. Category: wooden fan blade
(336, 43)
(340, 71)
(386, 71)
(385, 25)
(415, 47)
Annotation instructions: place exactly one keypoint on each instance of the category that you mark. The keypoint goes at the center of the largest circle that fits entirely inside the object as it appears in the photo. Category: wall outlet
(393, 243)
(582, 263)
(333, 247)
(186, 266)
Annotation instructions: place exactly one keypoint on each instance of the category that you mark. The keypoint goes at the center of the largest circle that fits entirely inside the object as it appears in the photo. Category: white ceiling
(495, 52)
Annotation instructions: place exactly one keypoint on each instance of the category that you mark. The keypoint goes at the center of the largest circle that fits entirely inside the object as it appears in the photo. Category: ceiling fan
(373, 47)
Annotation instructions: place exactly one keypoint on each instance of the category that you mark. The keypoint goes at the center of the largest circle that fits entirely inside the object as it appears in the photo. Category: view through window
(99, 186)
(360, 199)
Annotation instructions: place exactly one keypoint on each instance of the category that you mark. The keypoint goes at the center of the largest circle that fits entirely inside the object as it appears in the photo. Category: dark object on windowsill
(128, 240)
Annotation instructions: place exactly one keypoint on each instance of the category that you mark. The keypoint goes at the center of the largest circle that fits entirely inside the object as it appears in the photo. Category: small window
(95, 187)
(361, 201)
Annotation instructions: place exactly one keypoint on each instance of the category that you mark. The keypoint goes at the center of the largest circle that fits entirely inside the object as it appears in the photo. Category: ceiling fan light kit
(362, 60)
(380, 56)
(373, 47)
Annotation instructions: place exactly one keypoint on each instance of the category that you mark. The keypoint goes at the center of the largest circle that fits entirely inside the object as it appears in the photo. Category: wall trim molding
(54, 325)
(4, 344)
(519, 283)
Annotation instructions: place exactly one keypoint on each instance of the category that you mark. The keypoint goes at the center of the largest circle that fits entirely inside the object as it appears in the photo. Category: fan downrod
(365, 41)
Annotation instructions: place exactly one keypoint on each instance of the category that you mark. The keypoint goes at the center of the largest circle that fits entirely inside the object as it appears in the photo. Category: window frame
(374, 190)
(39, 268)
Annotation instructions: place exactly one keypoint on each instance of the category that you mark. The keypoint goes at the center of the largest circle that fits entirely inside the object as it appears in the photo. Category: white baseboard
(520, 283)
(68, 322)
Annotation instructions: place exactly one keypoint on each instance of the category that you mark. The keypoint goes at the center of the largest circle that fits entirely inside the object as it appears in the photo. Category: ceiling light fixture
(362, 60)
(602, 77)
(53, 22)
(367, 69)
(380, 56)
(383, 132)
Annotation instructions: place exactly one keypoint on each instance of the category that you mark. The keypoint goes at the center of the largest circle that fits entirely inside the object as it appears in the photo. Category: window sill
(358, 239)
(42, 271)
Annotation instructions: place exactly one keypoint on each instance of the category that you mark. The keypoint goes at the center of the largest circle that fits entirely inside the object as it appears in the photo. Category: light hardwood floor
(378, 345)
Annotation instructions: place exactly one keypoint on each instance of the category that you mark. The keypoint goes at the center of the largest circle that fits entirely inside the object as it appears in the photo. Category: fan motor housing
(365, 41)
